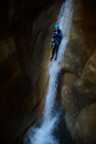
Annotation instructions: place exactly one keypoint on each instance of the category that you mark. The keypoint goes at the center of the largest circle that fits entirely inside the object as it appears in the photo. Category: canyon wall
(78, 92)
(24, 58)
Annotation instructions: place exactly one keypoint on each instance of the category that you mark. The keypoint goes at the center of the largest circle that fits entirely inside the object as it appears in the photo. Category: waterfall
(43, 134)
(64, 22)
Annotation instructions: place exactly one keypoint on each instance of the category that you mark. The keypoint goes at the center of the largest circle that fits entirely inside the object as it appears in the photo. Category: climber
(55, 41)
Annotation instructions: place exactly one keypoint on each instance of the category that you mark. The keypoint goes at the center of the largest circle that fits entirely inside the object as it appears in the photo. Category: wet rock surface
(78, 92)
(24, 59)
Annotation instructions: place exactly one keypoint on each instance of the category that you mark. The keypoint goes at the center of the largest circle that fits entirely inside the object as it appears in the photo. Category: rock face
(24, 58)
(78, 92)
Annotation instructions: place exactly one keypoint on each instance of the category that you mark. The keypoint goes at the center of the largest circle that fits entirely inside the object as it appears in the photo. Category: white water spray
(64, 22)
(43, 135)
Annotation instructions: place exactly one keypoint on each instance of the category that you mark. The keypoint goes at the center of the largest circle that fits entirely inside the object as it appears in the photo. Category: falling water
(43, 134)
(64, 21)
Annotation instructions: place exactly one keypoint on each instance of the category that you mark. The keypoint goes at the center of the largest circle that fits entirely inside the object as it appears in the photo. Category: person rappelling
(55, 41)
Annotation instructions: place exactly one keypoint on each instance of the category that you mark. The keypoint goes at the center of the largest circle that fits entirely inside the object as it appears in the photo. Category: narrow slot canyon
(39, 95)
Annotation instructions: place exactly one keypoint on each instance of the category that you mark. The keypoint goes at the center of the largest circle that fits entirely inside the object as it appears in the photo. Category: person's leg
(53, 53)
(56, 54)
(56, 51)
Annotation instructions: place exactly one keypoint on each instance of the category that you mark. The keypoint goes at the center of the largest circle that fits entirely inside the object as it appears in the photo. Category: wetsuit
(55, 42)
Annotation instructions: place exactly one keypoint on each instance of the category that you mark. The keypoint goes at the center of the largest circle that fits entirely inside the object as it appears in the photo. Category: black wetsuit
(55, 42)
